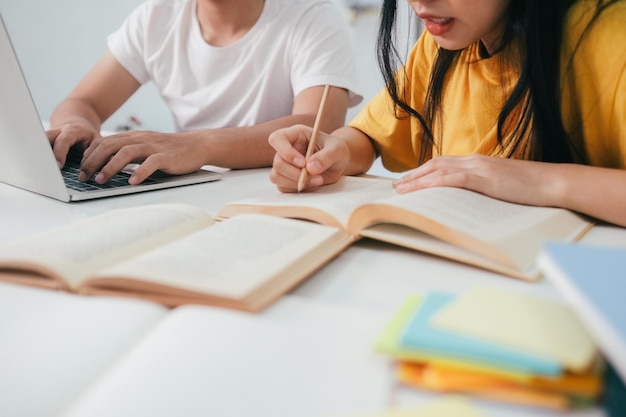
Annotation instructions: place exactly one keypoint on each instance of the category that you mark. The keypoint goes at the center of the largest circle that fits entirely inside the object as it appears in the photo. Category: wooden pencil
(313, 141)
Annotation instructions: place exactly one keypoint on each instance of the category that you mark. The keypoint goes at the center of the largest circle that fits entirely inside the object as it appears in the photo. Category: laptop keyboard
(70, 176)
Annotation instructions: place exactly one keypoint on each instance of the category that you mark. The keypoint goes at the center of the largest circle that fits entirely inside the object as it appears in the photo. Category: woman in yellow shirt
(521, 100)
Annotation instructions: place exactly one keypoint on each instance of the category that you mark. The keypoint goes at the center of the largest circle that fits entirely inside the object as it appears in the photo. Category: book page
(414, 239)
(231, 259)
(454, 214)
(473, 213)
(81, 248)
(331, 204)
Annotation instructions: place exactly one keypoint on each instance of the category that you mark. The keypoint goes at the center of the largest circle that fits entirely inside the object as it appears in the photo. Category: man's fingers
(108, 160)
(52, 134)
(60, 149)
(145, 169)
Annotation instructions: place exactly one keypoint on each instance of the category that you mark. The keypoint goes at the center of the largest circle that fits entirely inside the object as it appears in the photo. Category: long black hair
(539, 133)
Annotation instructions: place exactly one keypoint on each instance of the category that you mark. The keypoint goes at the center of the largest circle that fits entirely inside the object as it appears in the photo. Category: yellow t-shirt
(594, 96)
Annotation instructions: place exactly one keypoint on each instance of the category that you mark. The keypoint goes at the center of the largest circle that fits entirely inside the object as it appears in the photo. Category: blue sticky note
(419, 334)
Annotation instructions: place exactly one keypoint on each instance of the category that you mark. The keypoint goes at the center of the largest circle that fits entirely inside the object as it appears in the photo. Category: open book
(174, 254)
(450, 222)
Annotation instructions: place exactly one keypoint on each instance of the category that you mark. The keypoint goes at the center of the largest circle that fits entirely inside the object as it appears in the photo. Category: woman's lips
(437, 25)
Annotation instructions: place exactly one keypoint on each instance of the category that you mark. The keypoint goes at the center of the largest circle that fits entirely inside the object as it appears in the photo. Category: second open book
(450, 222)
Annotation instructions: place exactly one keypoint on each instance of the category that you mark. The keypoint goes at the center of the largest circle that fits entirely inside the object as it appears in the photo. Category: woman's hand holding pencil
(307, 158)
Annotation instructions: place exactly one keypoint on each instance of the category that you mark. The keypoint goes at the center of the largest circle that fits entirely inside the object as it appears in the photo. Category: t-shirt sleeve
(128, 41)
(323, 51)
(395, 134)
(390, 134)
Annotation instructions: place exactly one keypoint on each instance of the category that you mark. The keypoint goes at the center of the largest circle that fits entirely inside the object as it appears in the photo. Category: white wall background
(58, 41)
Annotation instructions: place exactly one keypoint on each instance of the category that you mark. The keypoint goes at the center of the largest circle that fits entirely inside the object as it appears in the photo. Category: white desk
(363, 286)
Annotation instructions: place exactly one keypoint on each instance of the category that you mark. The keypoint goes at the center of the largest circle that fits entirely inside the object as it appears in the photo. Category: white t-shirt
(294, 45)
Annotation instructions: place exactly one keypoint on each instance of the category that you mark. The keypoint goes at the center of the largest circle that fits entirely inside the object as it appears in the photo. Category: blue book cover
(592, 279)
(419, 334)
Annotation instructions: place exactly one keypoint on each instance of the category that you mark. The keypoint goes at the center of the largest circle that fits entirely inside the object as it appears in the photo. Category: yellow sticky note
(447, 406)
(530, 323)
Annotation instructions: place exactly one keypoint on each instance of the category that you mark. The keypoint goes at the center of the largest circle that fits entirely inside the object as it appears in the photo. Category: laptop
(26, 158)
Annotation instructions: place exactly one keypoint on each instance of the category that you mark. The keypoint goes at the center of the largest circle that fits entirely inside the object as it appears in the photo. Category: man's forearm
(244, 147)
(74, 110)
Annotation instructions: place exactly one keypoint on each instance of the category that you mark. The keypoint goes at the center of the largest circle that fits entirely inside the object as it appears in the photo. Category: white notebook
(67, 355)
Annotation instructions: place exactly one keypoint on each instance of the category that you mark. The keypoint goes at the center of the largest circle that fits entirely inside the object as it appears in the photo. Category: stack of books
(495, 344)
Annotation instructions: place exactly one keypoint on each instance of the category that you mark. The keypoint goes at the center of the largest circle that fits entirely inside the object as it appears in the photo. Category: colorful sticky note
(420, 334)
(528, 323)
